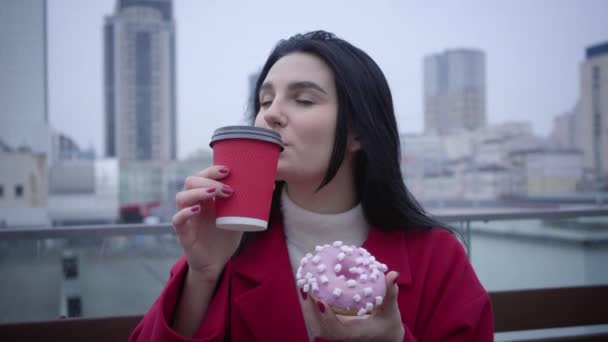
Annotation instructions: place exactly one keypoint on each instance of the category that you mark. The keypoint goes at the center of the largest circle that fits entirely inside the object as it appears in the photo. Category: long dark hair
(365, 106)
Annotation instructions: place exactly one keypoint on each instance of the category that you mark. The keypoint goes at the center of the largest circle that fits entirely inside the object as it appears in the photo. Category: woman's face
(298, 100)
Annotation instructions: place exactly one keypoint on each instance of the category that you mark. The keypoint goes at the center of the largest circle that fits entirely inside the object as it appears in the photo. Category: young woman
(338, 178)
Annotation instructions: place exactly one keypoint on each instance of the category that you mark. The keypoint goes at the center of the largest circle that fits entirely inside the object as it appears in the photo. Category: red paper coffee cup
(252, 155)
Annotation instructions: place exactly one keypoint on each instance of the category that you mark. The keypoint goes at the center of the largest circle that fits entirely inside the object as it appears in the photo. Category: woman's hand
(384, 324)
(206, 247)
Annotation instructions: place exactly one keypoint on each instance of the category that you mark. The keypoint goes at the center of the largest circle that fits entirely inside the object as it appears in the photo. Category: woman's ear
(353, 144)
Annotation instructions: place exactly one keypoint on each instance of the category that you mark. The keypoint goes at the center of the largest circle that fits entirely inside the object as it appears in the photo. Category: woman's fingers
(390, 305)
(184, 214)
(213, 172)
(192, 197)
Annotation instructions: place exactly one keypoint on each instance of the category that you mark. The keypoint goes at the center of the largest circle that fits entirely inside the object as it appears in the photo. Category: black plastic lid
(246, 132)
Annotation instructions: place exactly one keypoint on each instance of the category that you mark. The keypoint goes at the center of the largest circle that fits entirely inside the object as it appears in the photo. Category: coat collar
(265, 263)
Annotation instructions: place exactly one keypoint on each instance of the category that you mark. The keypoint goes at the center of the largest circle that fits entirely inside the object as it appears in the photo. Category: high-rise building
(564, 133)
(23, 75)
(140, 87)
(593, 131)
(454, 91)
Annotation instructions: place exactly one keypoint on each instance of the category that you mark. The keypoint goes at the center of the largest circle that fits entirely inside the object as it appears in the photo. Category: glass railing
(114, 270)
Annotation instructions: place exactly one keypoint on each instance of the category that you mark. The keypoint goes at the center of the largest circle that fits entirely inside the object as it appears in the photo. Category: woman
(338, 178)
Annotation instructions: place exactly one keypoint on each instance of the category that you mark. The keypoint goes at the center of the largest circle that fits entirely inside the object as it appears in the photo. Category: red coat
(440, 297)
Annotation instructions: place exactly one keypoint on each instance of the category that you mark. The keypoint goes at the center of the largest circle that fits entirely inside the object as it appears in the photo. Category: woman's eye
(304, 102)
(265, 104)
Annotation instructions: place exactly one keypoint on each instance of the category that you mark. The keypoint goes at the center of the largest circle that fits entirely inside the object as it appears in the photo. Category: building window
(18, 191)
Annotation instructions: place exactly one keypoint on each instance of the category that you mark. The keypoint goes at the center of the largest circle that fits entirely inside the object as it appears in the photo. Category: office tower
(140, 89)
(593, 131)
(454, 91)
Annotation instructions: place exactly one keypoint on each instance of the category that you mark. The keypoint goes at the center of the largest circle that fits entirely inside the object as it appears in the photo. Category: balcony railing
(92, 271)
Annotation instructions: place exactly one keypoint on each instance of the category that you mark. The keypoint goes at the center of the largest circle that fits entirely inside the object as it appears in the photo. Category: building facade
(593, 131)
(454, 91)
(139, 83)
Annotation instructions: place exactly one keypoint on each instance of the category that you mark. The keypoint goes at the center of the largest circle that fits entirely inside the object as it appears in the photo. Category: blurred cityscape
(459, 160)
(526, 203)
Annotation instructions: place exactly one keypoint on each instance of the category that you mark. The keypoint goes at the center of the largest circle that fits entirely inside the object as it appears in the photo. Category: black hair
(365, 106)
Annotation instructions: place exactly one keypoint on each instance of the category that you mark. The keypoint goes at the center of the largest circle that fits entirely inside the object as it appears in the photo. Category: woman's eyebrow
(299, 85)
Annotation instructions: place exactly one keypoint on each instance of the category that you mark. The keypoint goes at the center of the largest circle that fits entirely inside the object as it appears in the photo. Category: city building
(139, 83)
(23, 81)
(83, 191)
(538, 172)
(593, 130)
(454, 91)
(565, 127)
(23, 187)
(65, 148)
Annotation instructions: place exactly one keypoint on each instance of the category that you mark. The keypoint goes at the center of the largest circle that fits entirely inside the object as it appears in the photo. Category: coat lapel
(264, 290)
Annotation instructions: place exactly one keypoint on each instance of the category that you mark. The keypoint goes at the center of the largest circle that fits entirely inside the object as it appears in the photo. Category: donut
(346, 278)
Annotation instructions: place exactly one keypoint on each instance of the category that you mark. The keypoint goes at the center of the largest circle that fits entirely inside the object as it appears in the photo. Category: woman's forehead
(300, 67)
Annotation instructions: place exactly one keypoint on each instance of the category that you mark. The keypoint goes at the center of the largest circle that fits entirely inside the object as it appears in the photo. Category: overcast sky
(533, 51)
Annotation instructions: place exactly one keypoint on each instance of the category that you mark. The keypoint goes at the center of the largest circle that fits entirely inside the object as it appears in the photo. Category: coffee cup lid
(246, 132)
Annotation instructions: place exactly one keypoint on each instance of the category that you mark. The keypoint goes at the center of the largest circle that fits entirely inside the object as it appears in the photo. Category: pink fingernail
(227, 190)
(304, 295)
(321, 307)
(211, 190)
(224, 170)
(195, 209)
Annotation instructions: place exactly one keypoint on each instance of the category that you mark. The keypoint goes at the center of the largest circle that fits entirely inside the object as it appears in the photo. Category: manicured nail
(211, 190)
(195, 209)
(224, 170)
(395, 280)
(227, 190)
(304, 295)
(321, 307)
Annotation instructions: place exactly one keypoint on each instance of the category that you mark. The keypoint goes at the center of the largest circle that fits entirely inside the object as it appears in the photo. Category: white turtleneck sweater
(306, 229)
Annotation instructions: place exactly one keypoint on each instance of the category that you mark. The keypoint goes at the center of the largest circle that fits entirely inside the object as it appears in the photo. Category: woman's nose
(274, 116)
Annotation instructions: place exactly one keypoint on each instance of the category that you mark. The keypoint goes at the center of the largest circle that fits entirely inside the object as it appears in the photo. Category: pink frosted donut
(347, 278)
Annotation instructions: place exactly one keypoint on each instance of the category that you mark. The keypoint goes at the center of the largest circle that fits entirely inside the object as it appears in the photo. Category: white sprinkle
(308, 256)
(308, 275)
(373, 266)
(303, 261)
(383, 268)
(337, 292)
(306, 288)
(367, 291)
(366, 261)
(379, 300)
(344, 249)
(341, 256)
(351, 283)
(337, 243)
(299, 275)
(338, 268)
(326, 246)
(324, 279)
(342, 277)
(299, 270)
(315, 287)
(361, 312)
(318, 248)
(316, 259)
(301, 282)
(363, 278)
(369, 306)
(354, 270)
(359, 260)
(321, 268)
(372, 258)
(373, 277)
(357, 298)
